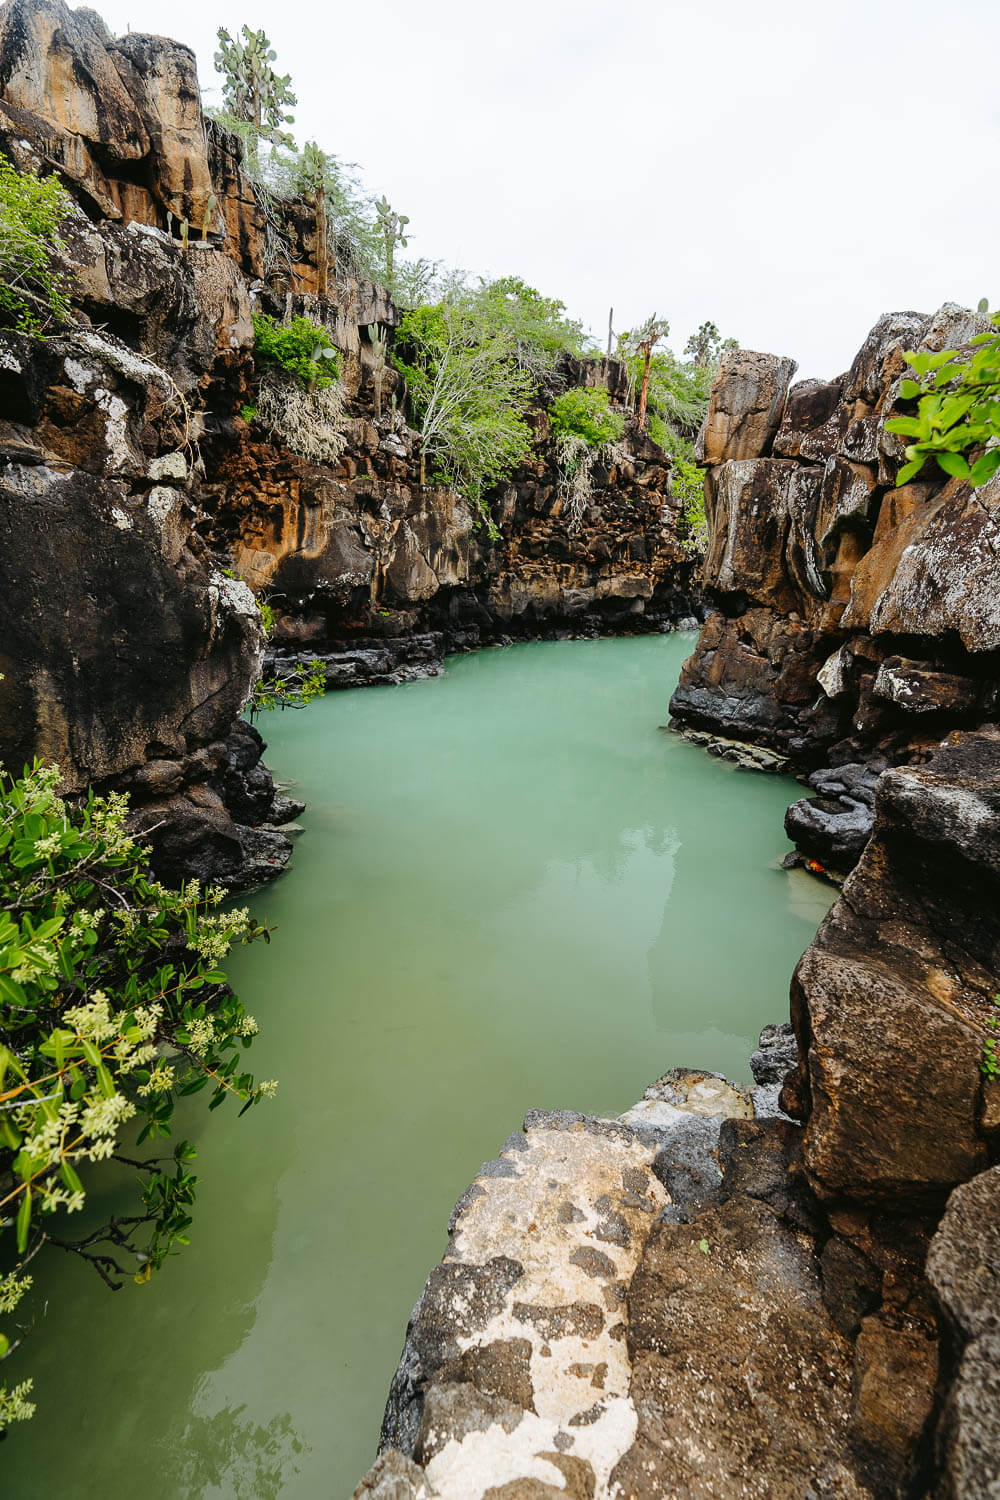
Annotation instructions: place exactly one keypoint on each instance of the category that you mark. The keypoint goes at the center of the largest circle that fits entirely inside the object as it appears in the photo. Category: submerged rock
(835, 827)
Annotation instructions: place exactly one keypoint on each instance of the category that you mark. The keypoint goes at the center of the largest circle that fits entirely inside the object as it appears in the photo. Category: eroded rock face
(963, 1267)
(892, 999)
(127, 652)
(854, 620)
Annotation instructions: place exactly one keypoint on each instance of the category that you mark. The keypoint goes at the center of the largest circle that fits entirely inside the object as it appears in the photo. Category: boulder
(746, 407)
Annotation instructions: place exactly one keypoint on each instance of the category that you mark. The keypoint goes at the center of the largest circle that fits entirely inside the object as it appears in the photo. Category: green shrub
(34, 293)
(112, 1007)
(688, 484)
(301, 348)
(586, 413)
(958, 410)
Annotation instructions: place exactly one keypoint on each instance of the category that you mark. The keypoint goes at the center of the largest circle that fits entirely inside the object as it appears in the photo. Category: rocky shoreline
(780, 1293)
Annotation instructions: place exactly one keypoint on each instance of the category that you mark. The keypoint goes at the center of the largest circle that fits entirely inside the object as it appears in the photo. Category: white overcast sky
(787, 168)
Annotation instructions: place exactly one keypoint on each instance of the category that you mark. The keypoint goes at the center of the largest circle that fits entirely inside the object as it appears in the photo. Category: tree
(112, 1007)
(467, 392)
(252, 92)
(706, 346)
(539, 325)
(642, 341)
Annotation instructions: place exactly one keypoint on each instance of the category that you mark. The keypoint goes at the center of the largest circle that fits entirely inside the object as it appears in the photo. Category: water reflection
(228, 1453)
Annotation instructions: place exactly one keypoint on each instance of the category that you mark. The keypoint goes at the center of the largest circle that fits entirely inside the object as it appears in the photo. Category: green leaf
(23, 1222)
(70, 1177)
(910, 470)
(704, 1246)
(909, 389)
(984, 468)
(954, 464)
(4, 1345)
(906, 426)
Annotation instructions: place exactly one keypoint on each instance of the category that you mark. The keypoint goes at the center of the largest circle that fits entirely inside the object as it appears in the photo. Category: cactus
(185, 231)
(392, 225)
(253, 91)
(210, 208)
(379, 337)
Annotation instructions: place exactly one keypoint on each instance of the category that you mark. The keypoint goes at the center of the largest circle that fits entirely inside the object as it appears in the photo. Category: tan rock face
(58, 65)
(746, 408)
(101, 105)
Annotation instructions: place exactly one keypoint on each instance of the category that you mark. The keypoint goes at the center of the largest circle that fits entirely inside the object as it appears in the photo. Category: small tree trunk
(322, 251)
(423, 469)
(611, 319)
(378, 394)
(647, 355)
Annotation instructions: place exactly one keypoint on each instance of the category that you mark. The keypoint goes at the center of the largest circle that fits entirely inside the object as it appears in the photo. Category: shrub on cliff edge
(585, 412)
(34, 293)
(303, 349)
(112, 1007)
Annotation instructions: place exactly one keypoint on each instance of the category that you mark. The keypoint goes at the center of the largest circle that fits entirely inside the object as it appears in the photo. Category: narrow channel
(515, 891)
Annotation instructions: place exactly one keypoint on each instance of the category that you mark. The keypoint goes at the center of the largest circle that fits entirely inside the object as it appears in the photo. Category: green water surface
(515, 891)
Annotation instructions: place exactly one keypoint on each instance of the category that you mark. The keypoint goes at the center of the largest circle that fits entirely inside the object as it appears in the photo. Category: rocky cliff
(142, 513)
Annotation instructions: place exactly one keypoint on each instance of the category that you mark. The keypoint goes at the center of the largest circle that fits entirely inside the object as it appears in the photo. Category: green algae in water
(515, 891)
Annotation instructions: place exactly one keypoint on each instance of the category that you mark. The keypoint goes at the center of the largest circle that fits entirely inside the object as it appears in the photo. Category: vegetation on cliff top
(112, 1008)
(34, 292)
(958, 410)
(468, 393)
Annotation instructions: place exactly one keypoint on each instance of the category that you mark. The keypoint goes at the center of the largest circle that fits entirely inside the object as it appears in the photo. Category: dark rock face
(748, 1313)
(854, 620)
(892, 1000)
(963, 1267)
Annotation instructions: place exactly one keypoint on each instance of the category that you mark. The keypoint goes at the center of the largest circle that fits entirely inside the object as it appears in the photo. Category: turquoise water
(515, 891)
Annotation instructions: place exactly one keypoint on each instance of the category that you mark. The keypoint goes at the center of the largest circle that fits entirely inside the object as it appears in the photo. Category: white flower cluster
(202, 1035)
(54, 1195)
(160, 1081)
(92, 1021)
(102, 1117)
(14, 1406)
(12, 1289)
(216, 934)
(50, 844)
